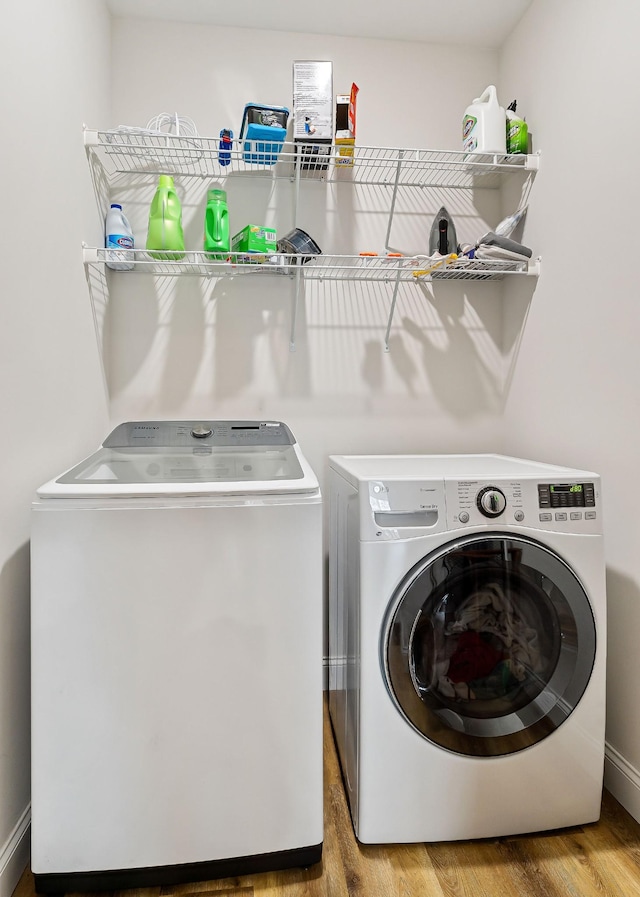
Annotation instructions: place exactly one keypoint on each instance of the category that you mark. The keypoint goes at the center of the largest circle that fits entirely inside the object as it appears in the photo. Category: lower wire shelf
(391, 269)
(315, 267)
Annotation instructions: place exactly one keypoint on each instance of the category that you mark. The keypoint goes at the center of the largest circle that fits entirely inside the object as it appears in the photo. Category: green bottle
(165, 239)
(216, 225)
(517, 131)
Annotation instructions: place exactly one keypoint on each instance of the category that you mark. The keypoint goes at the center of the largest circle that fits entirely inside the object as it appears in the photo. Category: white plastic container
(118, 236)
(484, 125)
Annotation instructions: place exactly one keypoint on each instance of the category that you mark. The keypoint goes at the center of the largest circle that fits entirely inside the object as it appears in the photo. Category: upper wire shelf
(136, 151)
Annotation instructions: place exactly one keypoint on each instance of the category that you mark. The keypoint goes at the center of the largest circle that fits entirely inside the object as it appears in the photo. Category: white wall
(221, 351)
(554, 378)
(54, 71)
(574, 69)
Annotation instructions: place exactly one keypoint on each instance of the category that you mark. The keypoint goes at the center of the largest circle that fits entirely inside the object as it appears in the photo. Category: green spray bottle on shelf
(216, 225)
(165, 238)
(517, 131)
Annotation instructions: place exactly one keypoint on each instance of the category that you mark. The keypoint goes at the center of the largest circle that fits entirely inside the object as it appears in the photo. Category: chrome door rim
(456, 725)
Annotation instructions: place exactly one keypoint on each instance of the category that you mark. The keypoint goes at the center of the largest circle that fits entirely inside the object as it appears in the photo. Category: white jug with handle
(484, 127)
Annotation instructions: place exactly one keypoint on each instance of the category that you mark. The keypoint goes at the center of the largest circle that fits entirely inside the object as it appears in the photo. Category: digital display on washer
(566, 495)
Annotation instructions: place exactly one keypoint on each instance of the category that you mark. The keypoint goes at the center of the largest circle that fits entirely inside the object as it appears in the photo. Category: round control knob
(201, 431)
(463, 517)
(491, 501)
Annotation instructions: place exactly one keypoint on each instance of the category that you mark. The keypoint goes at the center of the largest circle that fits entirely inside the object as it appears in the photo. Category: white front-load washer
(467, 628)
(177, 659)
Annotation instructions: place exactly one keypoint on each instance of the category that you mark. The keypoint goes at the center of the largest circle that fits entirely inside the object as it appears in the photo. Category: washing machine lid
(362, 468)
(170, 458)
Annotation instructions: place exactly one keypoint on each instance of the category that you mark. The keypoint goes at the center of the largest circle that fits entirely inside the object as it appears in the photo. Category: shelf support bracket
(294, 309)
(393, 201)
(393, 306)
(296, 193)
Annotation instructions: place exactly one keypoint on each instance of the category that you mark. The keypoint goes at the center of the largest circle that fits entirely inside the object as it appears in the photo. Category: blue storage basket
(266, 129)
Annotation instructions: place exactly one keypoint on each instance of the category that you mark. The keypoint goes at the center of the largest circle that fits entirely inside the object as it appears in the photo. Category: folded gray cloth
(500, 254)
(494, 240)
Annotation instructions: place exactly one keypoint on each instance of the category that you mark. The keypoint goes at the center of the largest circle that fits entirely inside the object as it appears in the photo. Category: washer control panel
(180, 434)
(561, 507)
(409, 508)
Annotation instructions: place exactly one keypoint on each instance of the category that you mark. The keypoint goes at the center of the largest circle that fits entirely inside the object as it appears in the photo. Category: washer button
(561, 516)
(545, 517)
(201, 431)
(576, 515)
(589, 515)
(519, 516)
(463, 517)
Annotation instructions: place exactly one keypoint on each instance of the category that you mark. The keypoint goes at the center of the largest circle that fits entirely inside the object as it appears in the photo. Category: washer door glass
(489, 645)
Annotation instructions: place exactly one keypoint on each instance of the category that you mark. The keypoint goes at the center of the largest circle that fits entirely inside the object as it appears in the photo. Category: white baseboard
(14, 855)
(622, 780)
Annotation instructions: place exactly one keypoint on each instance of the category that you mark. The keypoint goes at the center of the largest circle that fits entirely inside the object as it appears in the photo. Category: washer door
(489, 645)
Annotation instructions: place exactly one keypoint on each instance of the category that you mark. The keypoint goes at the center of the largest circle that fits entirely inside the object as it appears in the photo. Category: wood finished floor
(598, 860)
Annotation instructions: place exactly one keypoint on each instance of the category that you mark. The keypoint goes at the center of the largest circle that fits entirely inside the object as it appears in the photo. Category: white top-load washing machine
(177, 659)
(467, 625)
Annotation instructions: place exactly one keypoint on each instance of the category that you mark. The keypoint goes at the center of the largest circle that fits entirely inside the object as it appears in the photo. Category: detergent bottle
(517, 131)
(216, 225)
(165, 238)
(118, 236)
(484, 125)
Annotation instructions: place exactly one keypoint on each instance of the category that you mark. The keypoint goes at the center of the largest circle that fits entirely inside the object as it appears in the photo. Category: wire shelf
(407, 269)
(137, 154)
(136, 151)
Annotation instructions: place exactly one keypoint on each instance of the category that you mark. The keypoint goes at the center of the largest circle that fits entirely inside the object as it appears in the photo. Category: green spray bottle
(165, 238)
(517, 131)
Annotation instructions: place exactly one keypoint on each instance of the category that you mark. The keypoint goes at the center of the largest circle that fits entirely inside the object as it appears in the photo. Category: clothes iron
(443, 239)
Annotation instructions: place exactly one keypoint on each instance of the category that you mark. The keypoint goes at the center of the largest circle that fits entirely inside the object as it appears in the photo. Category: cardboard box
(346, 126)
(313, 112)
(254, 238)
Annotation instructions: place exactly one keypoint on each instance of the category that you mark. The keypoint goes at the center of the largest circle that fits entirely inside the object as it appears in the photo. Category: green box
(254, 238)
